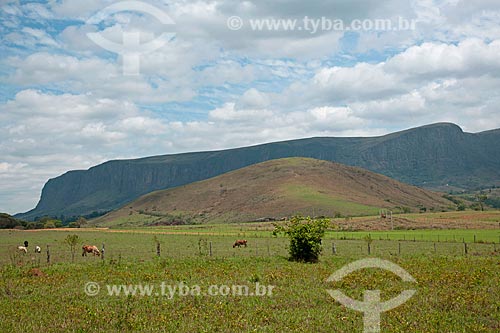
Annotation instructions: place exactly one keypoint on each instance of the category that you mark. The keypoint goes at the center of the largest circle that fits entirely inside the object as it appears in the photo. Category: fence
(174, 246)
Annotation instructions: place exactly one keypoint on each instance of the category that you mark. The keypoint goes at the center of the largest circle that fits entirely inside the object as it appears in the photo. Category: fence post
(334, 249)
(48, 254)
(399, 248)
(158, 250)
(465, 248)
(102, 252)
(434, 247)
(474, 238)
(369, 249)
(210, 249)
(268, 249)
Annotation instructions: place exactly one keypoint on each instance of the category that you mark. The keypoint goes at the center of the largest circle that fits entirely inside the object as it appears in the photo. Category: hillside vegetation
(276, 189)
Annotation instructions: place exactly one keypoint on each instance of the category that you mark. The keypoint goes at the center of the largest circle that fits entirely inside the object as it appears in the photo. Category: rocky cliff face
(428, 156)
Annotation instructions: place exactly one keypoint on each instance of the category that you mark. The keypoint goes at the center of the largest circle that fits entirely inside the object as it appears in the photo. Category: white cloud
(410, 70)
(253, 98)
(230, 114)
(98, 77)
(141, 125)
(471, 57)
(67, 105)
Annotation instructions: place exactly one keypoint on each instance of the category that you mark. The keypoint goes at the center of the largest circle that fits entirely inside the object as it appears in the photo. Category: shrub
(72, 241)
(49, 225)
(475, 206)
(338, 215)
(460, 206)
(305, 236)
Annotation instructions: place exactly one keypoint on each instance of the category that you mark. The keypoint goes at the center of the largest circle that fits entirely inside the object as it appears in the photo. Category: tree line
(46, 222)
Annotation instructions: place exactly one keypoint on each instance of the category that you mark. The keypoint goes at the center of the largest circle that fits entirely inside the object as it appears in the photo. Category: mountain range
(438, 156)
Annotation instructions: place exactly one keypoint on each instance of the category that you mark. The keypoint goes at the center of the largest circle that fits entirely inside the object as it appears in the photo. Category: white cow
(22, 249)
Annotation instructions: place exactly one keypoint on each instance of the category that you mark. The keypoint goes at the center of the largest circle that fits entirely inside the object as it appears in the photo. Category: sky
(180, 76)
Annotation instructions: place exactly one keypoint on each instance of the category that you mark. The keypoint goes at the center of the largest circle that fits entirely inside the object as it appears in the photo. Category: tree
(305, 236)
(461, 206)
(72, 241)
(481, 198)
(8, 222)
(43, 219)
(49, 224)
(369, 240)
(81, 221)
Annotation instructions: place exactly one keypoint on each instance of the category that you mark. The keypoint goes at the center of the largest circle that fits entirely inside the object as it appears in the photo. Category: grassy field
(140, 245)
(312, 196)
(401, 222)
(455, 292)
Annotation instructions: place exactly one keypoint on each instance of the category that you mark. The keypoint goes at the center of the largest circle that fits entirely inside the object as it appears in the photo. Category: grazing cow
(90, 249)
(22, 249)
(240, 242)
(38, 249)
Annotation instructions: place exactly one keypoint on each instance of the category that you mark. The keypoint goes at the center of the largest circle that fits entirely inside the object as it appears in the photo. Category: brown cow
(90, 249)
(239, 243)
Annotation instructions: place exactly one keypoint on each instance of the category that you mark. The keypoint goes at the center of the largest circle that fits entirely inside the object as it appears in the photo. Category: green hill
(275, 189)
(434, 156)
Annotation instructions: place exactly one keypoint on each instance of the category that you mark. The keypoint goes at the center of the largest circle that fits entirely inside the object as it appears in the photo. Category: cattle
(240, 242)
(38, 249)
(22, 249)
(90, 249)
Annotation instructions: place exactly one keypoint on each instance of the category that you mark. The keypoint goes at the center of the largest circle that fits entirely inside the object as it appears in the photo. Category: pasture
(216, 241)
(455, 292)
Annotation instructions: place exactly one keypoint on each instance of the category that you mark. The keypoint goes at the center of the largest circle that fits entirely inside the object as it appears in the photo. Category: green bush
(49, 225)
(305, 237)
